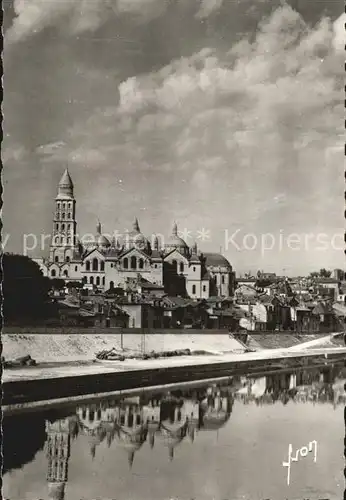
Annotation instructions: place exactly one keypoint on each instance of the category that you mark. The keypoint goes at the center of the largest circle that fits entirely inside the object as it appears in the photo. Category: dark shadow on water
(23, 437)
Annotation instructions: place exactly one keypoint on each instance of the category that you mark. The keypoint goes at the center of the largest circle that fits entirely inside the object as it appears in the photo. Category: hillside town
(141, 283)
(265, 303)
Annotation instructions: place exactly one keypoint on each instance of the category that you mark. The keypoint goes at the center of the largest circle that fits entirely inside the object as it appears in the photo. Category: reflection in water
(168, 418)
(15, 433)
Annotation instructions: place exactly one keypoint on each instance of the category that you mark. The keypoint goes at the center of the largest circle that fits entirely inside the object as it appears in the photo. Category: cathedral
(106, 263)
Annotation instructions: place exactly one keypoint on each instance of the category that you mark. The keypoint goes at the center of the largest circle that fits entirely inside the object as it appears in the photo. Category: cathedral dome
(216, 260)
(102, 241)
(175, 242)
(136, 239)
(99, 240)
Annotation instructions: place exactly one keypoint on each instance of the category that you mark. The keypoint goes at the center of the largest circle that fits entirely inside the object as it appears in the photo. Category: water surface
(218, 441)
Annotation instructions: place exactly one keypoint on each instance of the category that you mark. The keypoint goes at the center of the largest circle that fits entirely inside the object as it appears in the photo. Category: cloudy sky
(226, 116)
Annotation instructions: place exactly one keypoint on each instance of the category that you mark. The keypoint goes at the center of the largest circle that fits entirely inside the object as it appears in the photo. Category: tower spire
(175, 229)
(98, 227)
(130, 459)
(65, 187)
(136, 225)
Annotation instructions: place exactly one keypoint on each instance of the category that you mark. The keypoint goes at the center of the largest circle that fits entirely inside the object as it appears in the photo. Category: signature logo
(302, 452)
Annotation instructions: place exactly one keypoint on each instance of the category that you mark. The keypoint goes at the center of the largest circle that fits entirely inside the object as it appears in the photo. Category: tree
(322, 273)
(25, 289)
(74, 284)
(325, 274)
(57, 283)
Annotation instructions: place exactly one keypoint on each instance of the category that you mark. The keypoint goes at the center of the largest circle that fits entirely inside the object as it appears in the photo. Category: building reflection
(165, 419)
(168, 419)
(58, 446)
(314, 386)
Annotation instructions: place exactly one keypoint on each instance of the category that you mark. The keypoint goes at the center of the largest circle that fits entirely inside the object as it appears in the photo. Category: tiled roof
(321, 308)
(327, 280)
(156, 255)
(233, 312)
(150, 286)
(194, 259)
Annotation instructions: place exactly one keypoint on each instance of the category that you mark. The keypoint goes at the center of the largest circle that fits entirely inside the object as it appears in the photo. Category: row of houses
(276, 303)
(269, 304)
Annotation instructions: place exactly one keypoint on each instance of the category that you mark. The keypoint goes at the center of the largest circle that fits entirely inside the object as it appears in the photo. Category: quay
(44, 386)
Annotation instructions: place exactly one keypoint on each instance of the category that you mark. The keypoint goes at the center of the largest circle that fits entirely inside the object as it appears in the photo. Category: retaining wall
(74, 347)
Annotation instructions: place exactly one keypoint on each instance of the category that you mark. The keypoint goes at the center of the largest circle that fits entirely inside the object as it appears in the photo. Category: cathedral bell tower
(64, 222)
(58, 454)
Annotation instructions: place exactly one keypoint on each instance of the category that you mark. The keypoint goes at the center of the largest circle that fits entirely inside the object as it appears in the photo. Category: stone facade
(99, 262)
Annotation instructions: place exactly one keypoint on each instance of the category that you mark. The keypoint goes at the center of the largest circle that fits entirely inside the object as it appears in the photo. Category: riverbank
(77, 347)
(39, 386)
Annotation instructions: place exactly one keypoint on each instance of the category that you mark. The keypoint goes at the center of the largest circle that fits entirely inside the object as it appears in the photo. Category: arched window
(56, 258)
(63, 215)
(68, 227)
(193, 289)
(68, 241)
(141, 263)
(223, 279)
(69, 215)
(126, 263)
(87, 265)
(194, 269)
(56, 227)
(65, 273)
(95, 264)
(103, 281)
(204, 288)
(63, 227)
(133, 262)
(67, 258)
(102, 266)
(76, 268)
(53, 273)
(84, 279)
(58, 205)
(64, 206)
(57, 240)
(181, 267)
(174, 263)
(91, 281)
(98, 280)
(111, 284)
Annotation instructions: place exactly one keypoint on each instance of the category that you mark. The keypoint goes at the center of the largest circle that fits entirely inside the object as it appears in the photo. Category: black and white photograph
(172, 250)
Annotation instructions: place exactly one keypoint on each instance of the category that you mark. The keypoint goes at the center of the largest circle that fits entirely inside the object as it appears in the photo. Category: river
(216, 441)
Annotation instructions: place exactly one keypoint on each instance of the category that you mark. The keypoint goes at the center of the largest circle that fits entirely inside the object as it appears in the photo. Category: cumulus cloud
(256, 107)
(207, 7)
(339, 41)
(33, 16)
(78, 16)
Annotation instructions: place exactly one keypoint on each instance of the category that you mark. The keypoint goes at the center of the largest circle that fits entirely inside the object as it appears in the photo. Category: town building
(107, 263)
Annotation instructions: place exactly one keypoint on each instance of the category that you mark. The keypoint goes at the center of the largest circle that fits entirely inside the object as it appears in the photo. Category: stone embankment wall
(74, 330)
(78, 347)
